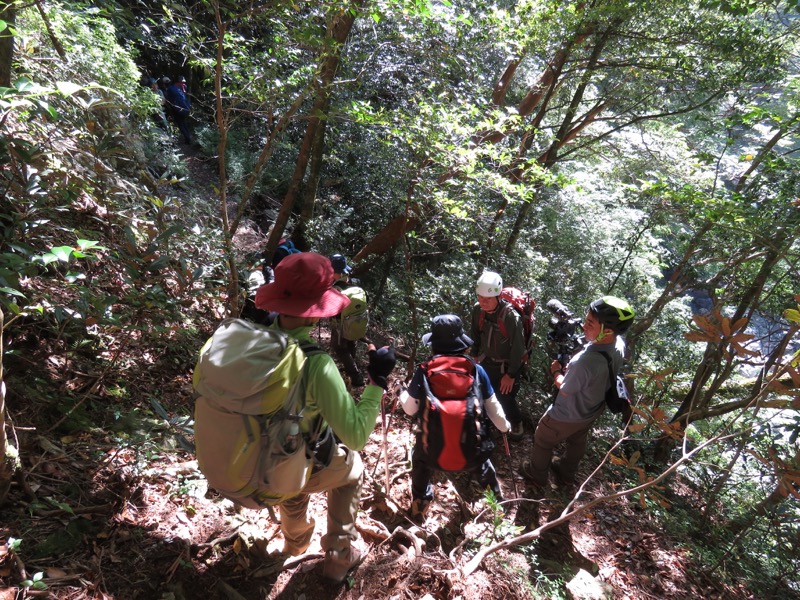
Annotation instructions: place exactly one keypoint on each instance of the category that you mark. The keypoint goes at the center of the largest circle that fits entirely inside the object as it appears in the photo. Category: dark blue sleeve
(416, 389)
(483, 380)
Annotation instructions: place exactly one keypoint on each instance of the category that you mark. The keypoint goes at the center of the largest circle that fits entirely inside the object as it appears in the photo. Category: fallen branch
(568, 514)
(288, 563)
(220, 540)
(80, 510)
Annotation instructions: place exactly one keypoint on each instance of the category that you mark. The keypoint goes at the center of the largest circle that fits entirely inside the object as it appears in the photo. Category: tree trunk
(678, 283)
(783, 489)
(539, 93)
(766, 151)
(568, 130)
(338, 31)
(386, 239)
(50, 32)
(7, 14)
(314, 173)
(698, 398)
(10, 462)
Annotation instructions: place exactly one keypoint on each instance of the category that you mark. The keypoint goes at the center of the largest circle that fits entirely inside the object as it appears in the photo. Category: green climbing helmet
(612, 312)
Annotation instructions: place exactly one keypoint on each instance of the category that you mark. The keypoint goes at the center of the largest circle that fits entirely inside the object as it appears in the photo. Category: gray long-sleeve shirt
(583, 391)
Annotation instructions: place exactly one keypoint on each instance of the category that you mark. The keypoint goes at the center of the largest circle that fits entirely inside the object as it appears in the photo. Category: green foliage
(90, 42)
(99, 254)
(36, 583)
(501, 527)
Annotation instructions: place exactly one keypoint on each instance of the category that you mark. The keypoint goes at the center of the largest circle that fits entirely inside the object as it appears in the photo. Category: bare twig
(568, 514)
(79, 510)
(224, 539)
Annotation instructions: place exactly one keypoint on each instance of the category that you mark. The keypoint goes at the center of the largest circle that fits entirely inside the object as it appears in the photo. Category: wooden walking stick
(510, 466)
(386, 424)
(385, 439)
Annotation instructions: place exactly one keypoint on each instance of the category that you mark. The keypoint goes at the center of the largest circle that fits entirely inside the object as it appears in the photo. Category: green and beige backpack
(354, 318)
(253, 443)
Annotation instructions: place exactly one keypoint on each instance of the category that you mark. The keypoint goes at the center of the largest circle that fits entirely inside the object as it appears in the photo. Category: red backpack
(524, 304)
(454, 432)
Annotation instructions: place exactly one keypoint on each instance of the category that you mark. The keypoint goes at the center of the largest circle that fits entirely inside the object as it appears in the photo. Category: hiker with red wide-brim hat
(302, 293)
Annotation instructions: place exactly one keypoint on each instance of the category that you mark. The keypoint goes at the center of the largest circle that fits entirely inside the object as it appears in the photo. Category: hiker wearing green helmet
(581, 387)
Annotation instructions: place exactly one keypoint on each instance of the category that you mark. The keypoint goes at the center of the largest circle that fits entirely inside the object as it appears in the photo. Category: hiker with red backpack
(453, 400)
(302, 293)
(500, 346)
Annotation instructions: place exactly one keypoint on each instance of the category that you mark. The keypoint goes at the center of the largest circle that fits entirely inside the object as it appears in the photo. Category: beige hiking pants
(342, 481)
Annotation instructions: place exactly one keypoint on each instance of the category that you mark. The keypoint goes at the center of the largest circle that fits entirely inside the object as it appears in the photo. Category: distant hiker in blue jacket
(180, 107)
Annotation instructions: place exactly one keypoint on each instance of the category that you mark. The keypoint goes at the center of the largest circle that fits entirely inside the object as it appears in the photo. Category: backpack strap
(611, 374)
(500, 323)
(429, 395)
(315, 432)
(505, 306)
(310, 348)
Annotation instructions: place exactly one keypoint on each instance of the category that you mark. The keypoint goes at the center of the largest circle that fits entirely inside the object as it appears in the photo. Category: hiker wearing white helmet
(499, 345)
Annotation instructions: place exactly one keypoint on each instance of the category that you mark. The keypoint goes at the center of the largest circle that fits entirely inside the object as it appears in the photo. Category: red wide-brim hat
(302, 288)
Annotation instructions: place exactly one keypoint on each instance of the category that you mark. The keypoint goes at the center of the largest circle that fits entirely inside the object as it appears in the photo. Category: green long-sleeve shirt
(327, 395)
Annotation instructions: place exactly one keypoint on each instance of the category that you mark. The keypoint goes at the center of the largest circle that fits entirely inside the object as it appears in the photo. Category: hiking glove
(381, 363)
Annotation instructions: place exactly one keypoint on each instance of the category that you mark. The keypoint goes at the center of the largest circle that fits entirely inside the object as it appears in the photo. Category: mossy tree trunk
(10, 462)
(7, 14)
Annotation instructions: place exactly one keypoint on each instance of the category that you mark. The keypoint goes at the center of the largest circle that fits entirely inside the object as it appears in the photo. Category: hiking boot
(356, 379)
(517, 431)
(338, 563)
(527, 472)
(419, 510)
(558, 475)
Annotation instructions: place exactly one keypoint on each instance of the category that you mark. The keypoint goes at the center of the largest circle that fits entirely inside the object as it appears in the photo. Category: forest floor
(101, 518)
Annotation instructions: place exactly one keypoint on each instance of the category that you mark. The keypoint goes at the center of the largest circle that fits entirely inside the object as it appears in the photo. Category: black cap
(447, 335)
(339, 264)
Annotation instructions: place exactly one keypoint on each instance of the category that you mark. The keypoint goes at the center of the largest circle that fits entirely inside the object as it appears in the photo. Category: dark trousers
(509, 403)
(422, 469)
(549, 434)
(180, 121)
(345, 351)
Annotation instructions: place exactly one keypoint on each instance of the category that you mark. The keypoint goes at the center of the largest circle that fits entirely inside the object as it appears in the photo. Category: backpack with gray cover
(253, 444)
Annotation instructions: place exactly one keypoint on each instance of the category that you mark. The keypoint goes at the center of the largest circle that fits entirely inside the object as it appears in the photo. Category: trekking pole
(386, 423)
(510, 466)
(385, 440)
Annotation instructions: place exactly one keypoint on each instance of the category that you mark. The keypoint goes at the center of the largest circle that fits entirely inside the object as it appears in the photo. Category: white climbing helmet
(489, 284)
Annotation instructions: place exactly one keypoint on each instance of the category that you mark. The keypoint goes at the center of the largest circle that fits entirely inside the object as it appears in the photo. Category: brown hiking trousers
(342, 481)
(549, 434)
